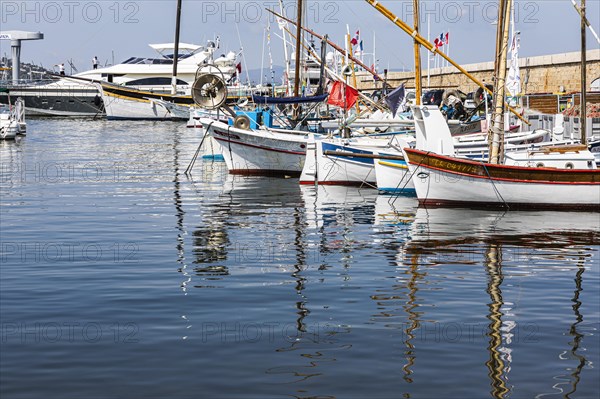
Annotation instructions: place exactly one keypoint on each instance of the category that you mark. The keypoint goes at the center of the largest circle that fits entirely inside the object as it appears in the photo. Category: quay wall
(545, 74)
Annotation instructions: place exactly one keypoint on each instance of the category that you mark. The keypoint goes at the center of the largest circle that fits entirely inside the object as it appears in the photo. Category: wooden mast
(497, 130)
(297, 60)
(417, 50)
(583, 105)
(425, 43)
(298, 46)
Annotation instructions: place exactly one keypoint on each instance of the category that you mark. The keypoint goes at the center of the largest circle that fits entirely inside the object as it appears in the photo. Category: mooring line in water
(193, 161)
(494, 185)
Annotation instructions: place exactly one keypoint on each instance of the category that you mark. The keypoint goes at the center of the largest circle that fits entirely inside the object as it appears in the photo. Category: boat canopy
(288, 100)
(167, 49)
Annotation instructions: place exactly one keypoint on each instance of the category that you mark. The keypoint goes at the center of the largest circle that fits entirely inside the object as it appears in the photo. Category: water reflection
(530, 239)
(500, 355)
(10, 162)
(574, 332)
(327, 229)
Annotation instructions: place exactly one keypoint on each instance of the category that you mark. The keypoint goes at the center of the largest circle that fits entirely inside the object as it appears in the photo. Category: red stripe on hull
(262, 148)
(514, 174)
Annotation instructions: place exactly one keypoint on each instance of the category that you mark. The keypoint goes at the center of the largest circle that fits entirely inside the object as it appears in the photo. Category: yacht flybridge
(155, 73)
(75, 96)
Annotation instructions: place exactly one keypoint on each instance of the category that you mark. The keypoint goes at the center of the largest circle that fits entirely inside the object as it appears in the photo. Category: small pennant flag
(395, 99)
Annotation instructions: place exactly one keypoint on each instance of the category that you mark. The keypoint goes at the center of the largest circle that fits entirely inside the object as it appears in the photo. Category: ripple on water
(118, 267)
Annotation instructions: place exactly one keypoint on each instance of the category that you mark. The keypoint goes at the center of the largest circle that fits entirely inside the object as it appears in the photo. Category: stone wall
(545, 74)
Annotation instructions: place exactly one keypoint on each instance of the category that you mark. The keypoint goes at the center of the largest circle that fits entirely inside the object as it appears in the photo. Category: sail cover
(288, 100)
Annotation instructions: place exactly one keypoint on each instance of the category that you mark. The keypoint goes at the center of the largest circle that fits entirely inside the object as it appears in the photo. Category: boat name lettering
(227, 134)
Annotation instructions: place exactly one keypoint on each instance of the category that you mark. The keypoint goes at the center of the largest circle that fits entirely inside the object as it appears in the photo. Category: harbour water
(122, 277)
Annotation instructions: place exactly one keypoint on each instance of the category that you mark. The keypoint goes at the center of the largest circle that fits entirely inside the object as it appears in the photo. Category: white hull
(393, 176)
(440, 178)
(118, 107)
(12, 119)
(50, 112)
(9, 130)
(343, 169)
(211, 149)
(259, 152)
(439, 187)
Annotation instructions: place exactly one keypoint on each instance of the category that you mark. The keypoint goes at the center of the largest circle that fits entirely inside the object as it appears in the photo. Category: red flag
(336, 95)
(447, 37)
(356, 38)
(239, 67)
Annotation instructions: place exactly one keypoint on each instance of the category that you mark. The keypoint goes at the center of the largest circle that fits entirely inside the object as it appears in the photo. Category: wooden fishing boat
(442, 180)
(263, 152)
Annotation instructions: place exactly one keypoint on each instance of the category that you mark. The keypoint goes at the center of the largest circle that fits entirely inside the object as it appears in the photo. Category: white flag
(513, 81)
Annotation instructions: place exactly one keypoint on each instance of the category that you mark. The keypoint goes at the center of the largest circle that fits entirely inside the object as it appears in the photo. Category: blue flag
(394, 99)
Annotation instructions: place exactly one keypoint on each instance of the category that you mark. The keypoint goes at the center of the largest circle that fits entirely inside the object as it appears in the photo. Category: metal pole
(176, 54)
(297, 67)
(16, 60)
(332, 44)
(288, 90)
(428, 55)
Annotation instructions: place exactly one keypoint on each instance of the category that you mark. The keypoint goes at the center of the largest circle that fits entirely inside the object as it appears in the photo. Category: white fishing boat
(345, 161)
(9, 126)
(262, 151)
(127, 103)
(556, 177)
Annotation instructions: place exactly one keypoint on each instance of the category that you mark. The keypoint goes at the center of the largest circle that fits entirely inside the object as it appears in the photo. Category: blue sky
(78, 30)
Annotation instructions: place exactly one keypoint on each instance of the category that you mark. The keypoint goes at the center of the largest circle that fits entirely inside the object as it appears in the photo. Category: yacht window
(159, 81)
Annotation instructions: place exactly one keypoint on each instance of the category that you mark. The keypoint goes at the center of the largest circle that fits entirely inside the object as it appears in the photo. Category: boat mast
(497, 130)
(332, 44)
(285, 53)
(417, 50)
(297, 67)
(583, 105)
(429, 46)
(176, 53)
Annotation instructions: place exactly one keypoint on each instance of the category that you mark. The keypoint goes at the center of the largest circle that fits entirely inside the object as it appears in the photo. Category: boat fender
(242, 122)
